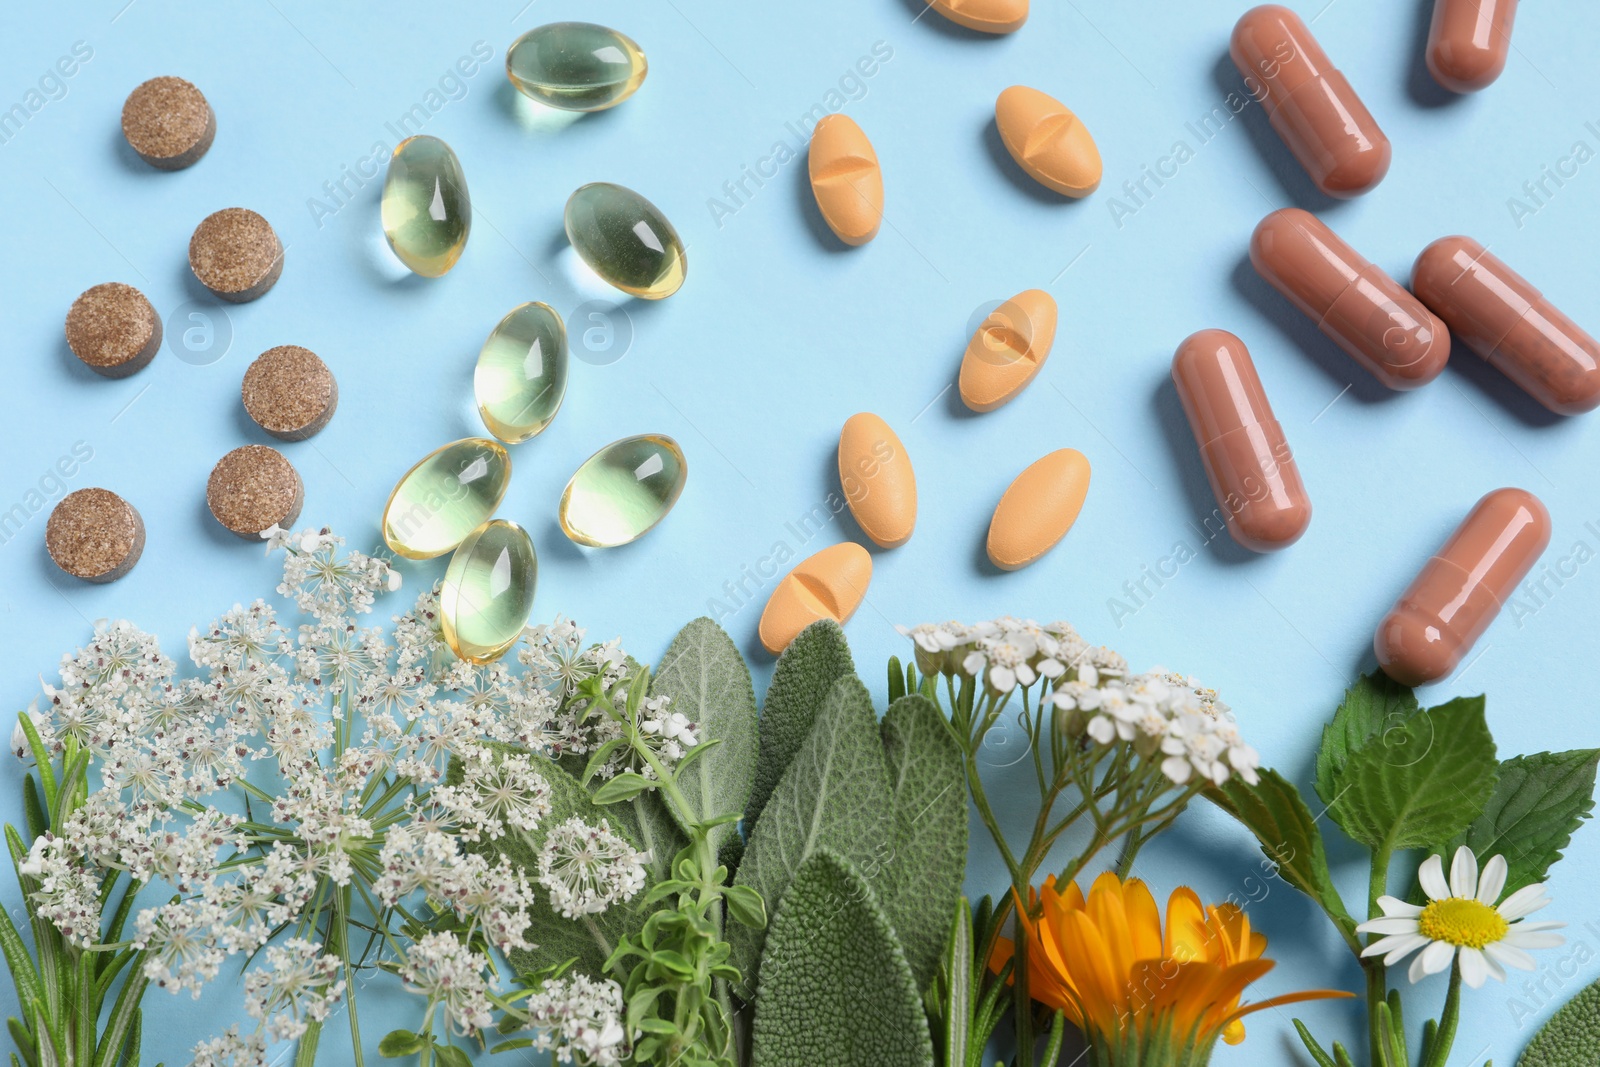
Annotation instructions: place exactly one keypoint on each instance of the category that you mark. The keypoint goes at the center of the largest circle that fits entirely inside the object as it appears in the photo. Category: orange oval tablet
(846, 179)
(985, 16)
(1048, 141)
(1038, 509)
(1008, 349)
(828, 585)
(879, 484)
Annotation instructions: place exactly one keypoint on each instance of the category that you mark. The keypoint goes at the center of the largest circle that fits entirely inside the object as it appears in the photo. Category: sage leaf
(928, 861)
(1572, 1036)
(835, 794)
(1372, 706)
(708, 682)
(836, 987)
(805, 674)
(1538, 802)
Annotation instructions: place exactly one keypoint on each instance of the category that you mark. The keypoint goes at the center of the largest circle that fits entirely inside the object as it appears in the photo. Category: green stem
(1377, 974)
(1439, 1048)
(341, 930)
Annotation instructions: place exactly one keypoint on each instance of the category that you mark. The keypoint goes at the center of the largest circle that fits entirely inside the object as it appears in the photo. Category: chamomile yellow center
(1462, 922)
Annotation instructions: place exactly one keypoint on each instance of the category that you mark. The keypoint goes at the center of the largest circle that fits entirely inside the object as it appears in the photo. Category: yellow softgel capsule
(626, 240)
(521, 376)
(576, 66)
(449, 493)
(623, 490)
(426, 211)
(488, 589)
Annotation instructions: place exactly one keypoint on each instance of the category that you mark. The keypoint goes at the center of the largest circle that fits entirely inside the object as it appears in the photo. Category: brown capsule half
(1366, 312)
(1497, 314)
(1468, 42)
(1310, 104)
(846, 179)
(1246, 455)
(1451, 603)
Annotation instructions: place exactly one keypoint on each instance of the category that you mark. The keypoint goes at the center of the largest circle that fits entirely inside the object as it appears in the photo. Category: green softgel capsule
(451, 492)
(623, 490)
(576, 66)
(625, 240)
(427, 213)
(522, 373)
(488, 591)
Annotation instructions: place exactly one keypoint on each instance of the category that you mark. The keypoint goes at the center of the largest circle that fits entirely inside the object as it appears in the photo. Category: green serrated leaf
(835, 794)
(928, 860)
(708, 681)
(1572, 1036)
(1372, 706)
(838, 989)
(1538, 802)
(1420, 783)
(805, 674)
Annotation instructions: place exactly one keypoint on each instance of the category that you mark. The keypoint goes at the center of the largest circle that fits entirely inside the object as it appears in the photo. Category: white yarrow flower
(589, 868)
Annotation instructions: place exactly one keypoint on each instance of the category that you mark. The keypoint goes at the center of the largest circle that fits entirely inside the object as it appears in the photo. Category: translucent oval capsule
(576, 66)
(427, 213)
(623, 490)
(451, 492)
(488, 591)
(522, 373)
(626, 240)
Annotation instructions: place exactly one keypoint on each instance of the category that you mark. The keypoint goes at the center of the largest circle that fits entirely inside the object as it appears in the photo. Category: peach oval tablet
(1246, 455)
(1365, 312)
(846, 179)
(1461, 588)
(879, 484)
(1311, 105)
(828, 585)
(1497, 314)
(1038, 509)
(1048, 141)
(1007, 351)
(1468, 42)
(985, 16)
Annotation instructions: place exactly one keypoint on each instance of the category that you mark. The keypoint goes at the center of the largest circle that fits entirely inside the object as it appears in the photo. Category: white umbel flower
(589, 868)
(1462, 918)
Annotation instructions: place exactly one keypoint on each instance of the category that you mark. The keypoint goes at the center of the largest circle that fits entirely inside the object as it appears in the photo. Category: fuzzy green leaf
(1422, 782)
(805, 674)
(929, 857)
(397, 1043)
(835, 794)
(836, 988)
(1374, 705)
(1572, 1036)
(708, 681)
(1537, 804)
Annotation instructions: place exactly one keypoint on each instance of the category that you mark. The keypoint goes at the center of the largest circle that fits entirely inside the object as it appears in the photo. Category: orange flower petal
(1144, 920)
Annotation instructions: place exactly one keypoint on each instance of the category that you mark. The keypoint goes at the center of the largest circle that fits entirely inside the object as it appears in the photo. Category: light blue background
(779, 335)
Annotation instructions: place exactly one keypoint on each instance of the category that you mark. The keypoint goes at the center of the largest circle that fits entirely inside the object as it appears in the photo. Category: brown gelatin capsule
(1461, 588)
(1366, 312)
(1497, 314)
(1310, 104)
(1244, 450)
(1468, 42)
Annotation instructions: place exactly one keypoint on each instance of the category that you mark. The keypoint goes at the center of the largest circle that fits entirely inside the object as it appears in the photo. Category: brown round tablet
(235, 254)
(95, 535)
(113, 329)
(290, 392)
(168, 122)
(254, 488)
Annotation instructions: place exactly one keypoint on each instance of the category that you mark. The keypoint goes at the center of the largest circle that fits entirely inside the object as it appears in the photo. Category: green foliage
(929, 842)
(834, 794)
(805, 674)
(1572, 1036)
(836, 988)
(1420, 782)
(1375, 704)
(708, 681)
(1537, 804)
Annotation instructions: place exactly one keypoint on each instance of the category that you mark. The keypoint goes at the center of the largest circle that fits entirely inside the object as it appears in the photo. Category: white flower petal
(1393, 906)
(1492, 881)
(1525, 901)
(1517, 939)
(1436, 958)
(1509, 955)
(1176, 768)
(1474, 968)
(1402, 947)
(1464, 876)
(1431, 875)
(1395, 924)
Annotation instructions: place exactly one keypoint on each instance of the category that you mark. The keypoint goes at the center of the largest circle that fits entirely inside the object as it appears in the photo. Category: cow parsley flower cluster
(314, 798)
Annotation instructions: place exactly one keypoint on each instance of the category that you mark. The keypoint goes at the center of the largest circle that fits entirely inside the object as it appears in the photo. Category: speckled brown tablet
(290, 392)
(235, 254)
(168, 122)
(113, 329)
(95, 535)
(254, 488)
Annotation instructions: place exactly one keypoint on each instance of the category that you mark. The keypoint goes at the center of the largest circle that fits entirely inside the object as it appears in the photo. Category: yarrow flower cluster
(587, 868)
(580, 1019)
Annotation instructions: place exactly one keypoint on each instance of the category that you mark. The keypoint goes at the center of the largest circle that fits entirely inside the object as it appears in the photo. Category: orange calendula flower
(1142, 995)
